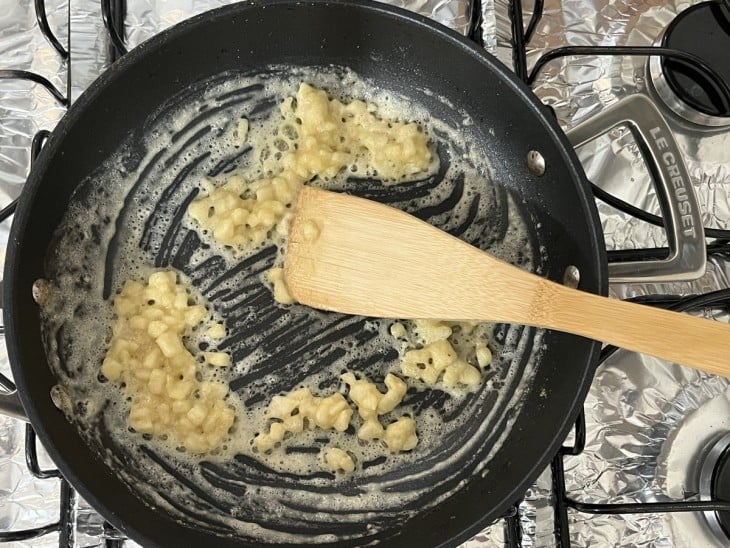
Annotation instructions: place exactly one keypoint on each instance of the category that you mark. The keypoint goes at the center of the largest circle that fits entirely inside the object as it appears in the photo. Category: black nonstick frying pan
(448, 493)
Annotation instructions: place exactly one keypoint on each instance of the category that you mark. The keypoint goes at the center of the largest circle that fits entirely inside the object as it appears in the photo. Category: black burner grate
(520, 39)
(114, 13)
(716, 299)
(64, 525)
(562, 503)
(719, 299)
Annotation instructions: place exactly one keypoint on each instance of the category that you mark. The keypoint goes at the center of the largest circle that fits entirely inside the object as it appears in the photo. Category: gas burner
(696, 415)
(715, 484)
(702, 30)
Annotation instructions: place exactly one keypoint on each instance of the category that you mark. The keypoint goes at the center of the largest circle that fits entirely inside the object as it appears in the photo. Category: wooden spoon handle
(681, 338)
(370, 259)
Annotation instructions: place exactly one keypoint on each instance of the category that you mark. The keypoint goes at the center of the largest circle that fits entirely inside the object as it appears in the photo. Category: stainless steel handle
(10, 404)
(686, 239)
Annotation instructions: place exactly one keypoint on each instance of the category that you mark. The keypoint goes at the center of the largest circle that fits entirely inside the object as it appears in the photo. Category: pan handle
(10, 404)
(686, 239)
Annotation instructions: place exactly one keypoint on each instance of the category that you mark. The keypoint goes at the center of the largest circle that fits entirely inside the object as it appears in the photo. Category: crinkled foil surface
(646, 419)
(25, 108)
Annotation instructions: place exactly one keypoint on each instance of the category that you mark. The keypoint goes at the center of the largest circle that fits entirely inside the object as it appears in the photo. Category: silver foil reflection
(25, 108)
(648, 421)
(577, 87)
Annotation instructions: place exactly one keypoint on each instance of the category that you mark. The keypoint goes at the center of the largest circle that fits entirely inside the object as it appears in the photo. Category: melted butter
(127, 220)
(316, 137)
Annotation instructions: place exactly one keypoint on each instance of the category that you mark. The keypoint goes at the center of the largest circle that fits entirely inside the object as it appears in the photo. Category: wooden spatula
(356, 256)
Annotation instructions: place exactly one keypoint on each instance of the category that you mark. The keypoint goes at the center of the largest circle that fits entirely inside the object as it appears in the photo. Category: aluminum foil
(648, 421)
(488, 26)
(579, 87)
(89, 45)
(639, 409)
(25, 108)
(22, 47)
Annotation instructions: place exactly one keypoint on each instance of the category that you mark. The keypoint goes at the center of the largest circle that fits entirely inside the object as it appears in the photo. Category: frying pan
(542, 377)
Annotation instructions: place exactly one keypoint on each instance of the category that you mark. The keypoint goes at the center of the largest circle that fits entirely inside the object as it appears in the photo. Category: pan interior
(399, 53)
(128, 219)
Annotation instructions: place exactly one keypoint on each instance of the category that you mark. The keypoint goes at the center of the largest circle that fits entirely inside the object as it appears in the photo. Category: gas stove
(649, 458)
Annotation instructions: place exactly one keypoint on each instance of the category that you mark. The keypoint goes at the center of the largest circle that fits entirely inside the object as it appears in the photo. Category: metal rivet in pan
(571, 277)
(41, 292)
(61, 399)
(535, 162)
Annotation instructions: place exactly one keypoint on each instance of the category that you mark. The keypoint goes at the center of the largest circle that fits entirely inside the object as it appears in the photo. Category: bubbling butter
(430, 353)
(337, 460)
(148, 357)
(318, 136)
(128, 220)
(294, 412)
